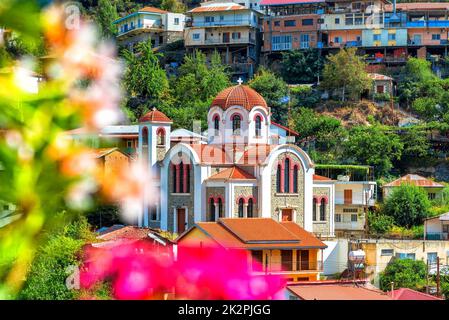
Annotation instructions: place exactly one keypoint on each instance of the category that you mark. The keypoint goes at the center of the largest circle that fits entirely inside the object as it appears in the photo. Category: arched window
(241, 207)
(323, 210)
(236, 124)
(258, 126)
(314, 209)
(160, 133)
(211, 209)
(175, 178)
(187, 182)
(145, 145)
(220, 208)
(216, 125)
(181, 177)
(295, 179)
(250, 212)
(278, 178)
(287, 176)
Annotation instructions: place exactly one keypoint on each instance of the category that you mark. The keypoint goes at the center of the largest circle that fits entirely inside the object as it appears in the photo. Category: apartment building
(230, 29)
(149, 23)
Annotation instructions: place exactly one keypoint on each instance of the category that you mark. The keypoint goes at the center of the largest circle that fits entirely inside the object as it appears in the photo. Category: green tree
(373, 146)
(173, 6)
(302, 66)
(408, 205)
(105, 15)
(145, 81)
(345, 72)
(379, 223)
(273, 89)
(404, 273)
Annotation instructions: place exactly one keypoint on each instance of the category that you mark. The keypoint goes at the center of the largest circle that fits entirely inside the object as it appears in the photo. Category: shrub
(382, 96)
(380, 223)
(404, 273)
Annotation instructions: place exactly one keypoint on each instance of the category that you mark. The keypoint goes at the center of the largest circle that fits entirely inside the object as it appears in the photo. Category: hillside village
(313, 135)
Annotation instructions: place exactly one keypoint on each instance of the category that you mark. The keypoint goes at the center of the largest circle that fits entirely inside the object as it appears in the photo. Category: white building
(437, 228)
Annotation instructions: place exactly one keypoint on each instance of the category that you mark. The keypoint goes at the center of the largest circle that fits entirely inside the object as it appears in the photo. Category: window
(431, 195)
(436, 36)
(338, 217)
(391, 36)
(277, 23)
(287, 175)
(347, 196)
(278, 179)
(380, 89)
(304, 41)
(175, 178)
(196, 36)
(241, 208)
(283, 42)
(314, 209)
(187, 184)
(160, 133)
(258, 126)
(216, 125)
(323, 210)
(353, 217)
(445, 228)
(153, 213)
(176, 23)
(295, 179)
(236, 123)
(337, 20)
(376, 37)
(307, 22)
(289, 23)
(350, 210)
(211, 210)
(129, 143)
(405, 256)
(181, 178)
(287, 259)
(257, 260)
(250, 210)
(387, 252)
(220, 208)
(338, 39)
(221, 18)
(236, 35)
(209, 19)
(432, 257)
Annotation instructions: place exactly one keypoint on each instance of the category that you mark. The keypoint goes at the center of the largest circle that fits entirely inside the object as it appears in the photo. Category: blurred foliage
(302, 66)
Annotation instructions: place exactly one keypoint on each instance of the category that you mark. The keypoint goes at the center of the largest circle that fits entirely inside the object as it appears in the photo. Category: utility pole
(438, 276)
(427, 277)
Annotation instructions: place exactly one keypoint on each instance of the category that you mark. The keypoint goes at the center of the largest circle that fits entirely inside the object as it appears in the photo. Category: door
(287, 214)
(303, 259)
(416, 39)
(348, 196)
(226, 37)
(181, 219)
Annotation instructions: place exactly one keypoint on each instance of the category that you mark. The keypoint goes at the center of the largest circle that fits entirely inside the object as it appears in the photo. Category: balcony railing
(229, 41)
(437, 236)
(291, 267)
(234, 22)
(141, 27)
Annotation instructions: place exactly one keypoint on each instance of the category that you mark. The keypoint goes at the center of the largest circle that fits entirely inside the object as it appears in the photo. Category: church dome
(155, 116)
(239, 95)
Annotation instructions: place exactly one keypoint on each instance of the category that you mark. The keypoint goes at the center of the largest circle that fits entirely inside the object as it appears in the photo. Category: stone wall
(322, 227)
(280, 201)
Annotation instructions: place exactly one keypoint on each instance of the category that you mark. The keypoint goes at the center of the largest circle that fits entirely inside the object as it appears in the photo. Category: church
(246, 166)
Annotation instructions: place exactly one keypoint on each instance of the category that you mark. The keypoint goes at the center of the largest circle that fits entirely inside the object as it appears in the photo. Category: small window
(431, 195)
(221, 18)
(289, 23)
(209, 19)
(176, 22)
(387, 252)
(338, 217)
(405, 256)
(277, 23)
(391, 36)
(337, 39)
(258, 126)
(337, 20)
(236, 124)
(350, 210)
(314, 216)
(446, 229)
(241, 207)
(432, 257)
(307, 22)
(376, 37)
(196, 36)
(353, 218)
(129, 143)
(436, 36)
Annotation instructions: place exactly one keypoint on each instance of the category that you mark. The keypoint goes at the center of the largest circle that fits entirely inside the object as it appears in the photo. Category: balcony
(141, 28)
(437, 236)
(416, 24)
(438, 23)
(224, 23)
(289, 267)
(243, 40)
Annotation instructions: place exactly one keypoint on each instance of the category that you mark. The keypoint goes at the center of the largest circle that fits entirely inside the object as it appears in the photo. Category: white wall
(169, 21)
(335, 256)
(358, 192)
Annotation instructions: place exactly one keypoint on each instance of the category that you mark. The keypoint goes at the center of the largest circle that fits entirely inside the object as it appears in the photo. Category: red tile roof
(239, 95)
(101, 152)
(293, 132)
(155, 116)
(218, 7)
(284, 2)
(128, 232)
(252, 233)
(336, 291)
(317, 177)
(377, 76)
(233, 173)
(152, 10)
(415, 180)
(409, 294)
(417, 6)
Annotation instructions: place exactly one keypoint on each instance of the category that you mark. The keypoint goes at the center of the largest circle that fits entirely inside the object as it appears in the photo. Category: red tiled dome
(155, 116)
(239, 95)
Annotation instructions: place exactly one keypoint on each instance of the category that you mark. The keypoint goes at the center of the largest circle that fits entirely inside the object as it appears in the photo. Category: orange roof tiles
(417, 6)
(409, 294)
(377, 76)
(233, 173)
(337, 292)
(128, 232)
(101, 152)
(293, 132)
(218, 7)
(153, 10)
(317, 177)
(415, 180)
(155, 116)
(239, 95)
(253, 233)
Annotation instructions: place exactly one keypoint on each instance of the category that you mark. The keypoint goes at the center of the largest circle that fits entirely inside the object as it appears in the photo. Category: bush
(404, 273)
(382, 96)
(380, 223)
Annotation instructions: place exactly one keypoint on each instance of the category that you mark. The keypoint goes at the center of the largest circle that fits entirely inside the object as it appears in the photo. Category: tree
(404, 273)
(173, 6)
(379, 223)
(273, 89)
(145, 81)
(373, 146)
(345, 71)
(299, 66)
(105, 15)
(408, 205)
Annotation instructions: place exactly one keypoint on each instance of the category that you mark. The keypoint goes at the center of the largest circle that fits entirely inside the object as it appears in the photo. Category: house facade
(437, 228)
(433, 189)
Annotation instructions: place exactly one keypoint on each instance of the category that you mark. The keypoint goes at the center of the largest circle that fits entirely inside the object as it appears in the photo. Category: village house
(149, 23)
(437, 228)
(273, 247)
(382, 84)
(432, 188)
(110, 160)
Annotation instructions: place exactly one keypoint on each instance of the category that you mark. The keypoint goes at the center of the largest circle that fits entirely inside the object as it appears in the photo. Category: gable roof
(317, 177)
(337, 291)
(232, 173)
(286, 2)
(409, 294)
(293, 132)
(414, 180)
(378, 76)
(101, 152)
(218, 6)
(152, 10)
(257, 233)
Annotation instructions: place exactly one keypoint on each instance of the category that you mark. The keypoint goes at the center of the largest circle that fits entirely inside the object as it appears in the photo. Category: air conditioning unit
(341, 177)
